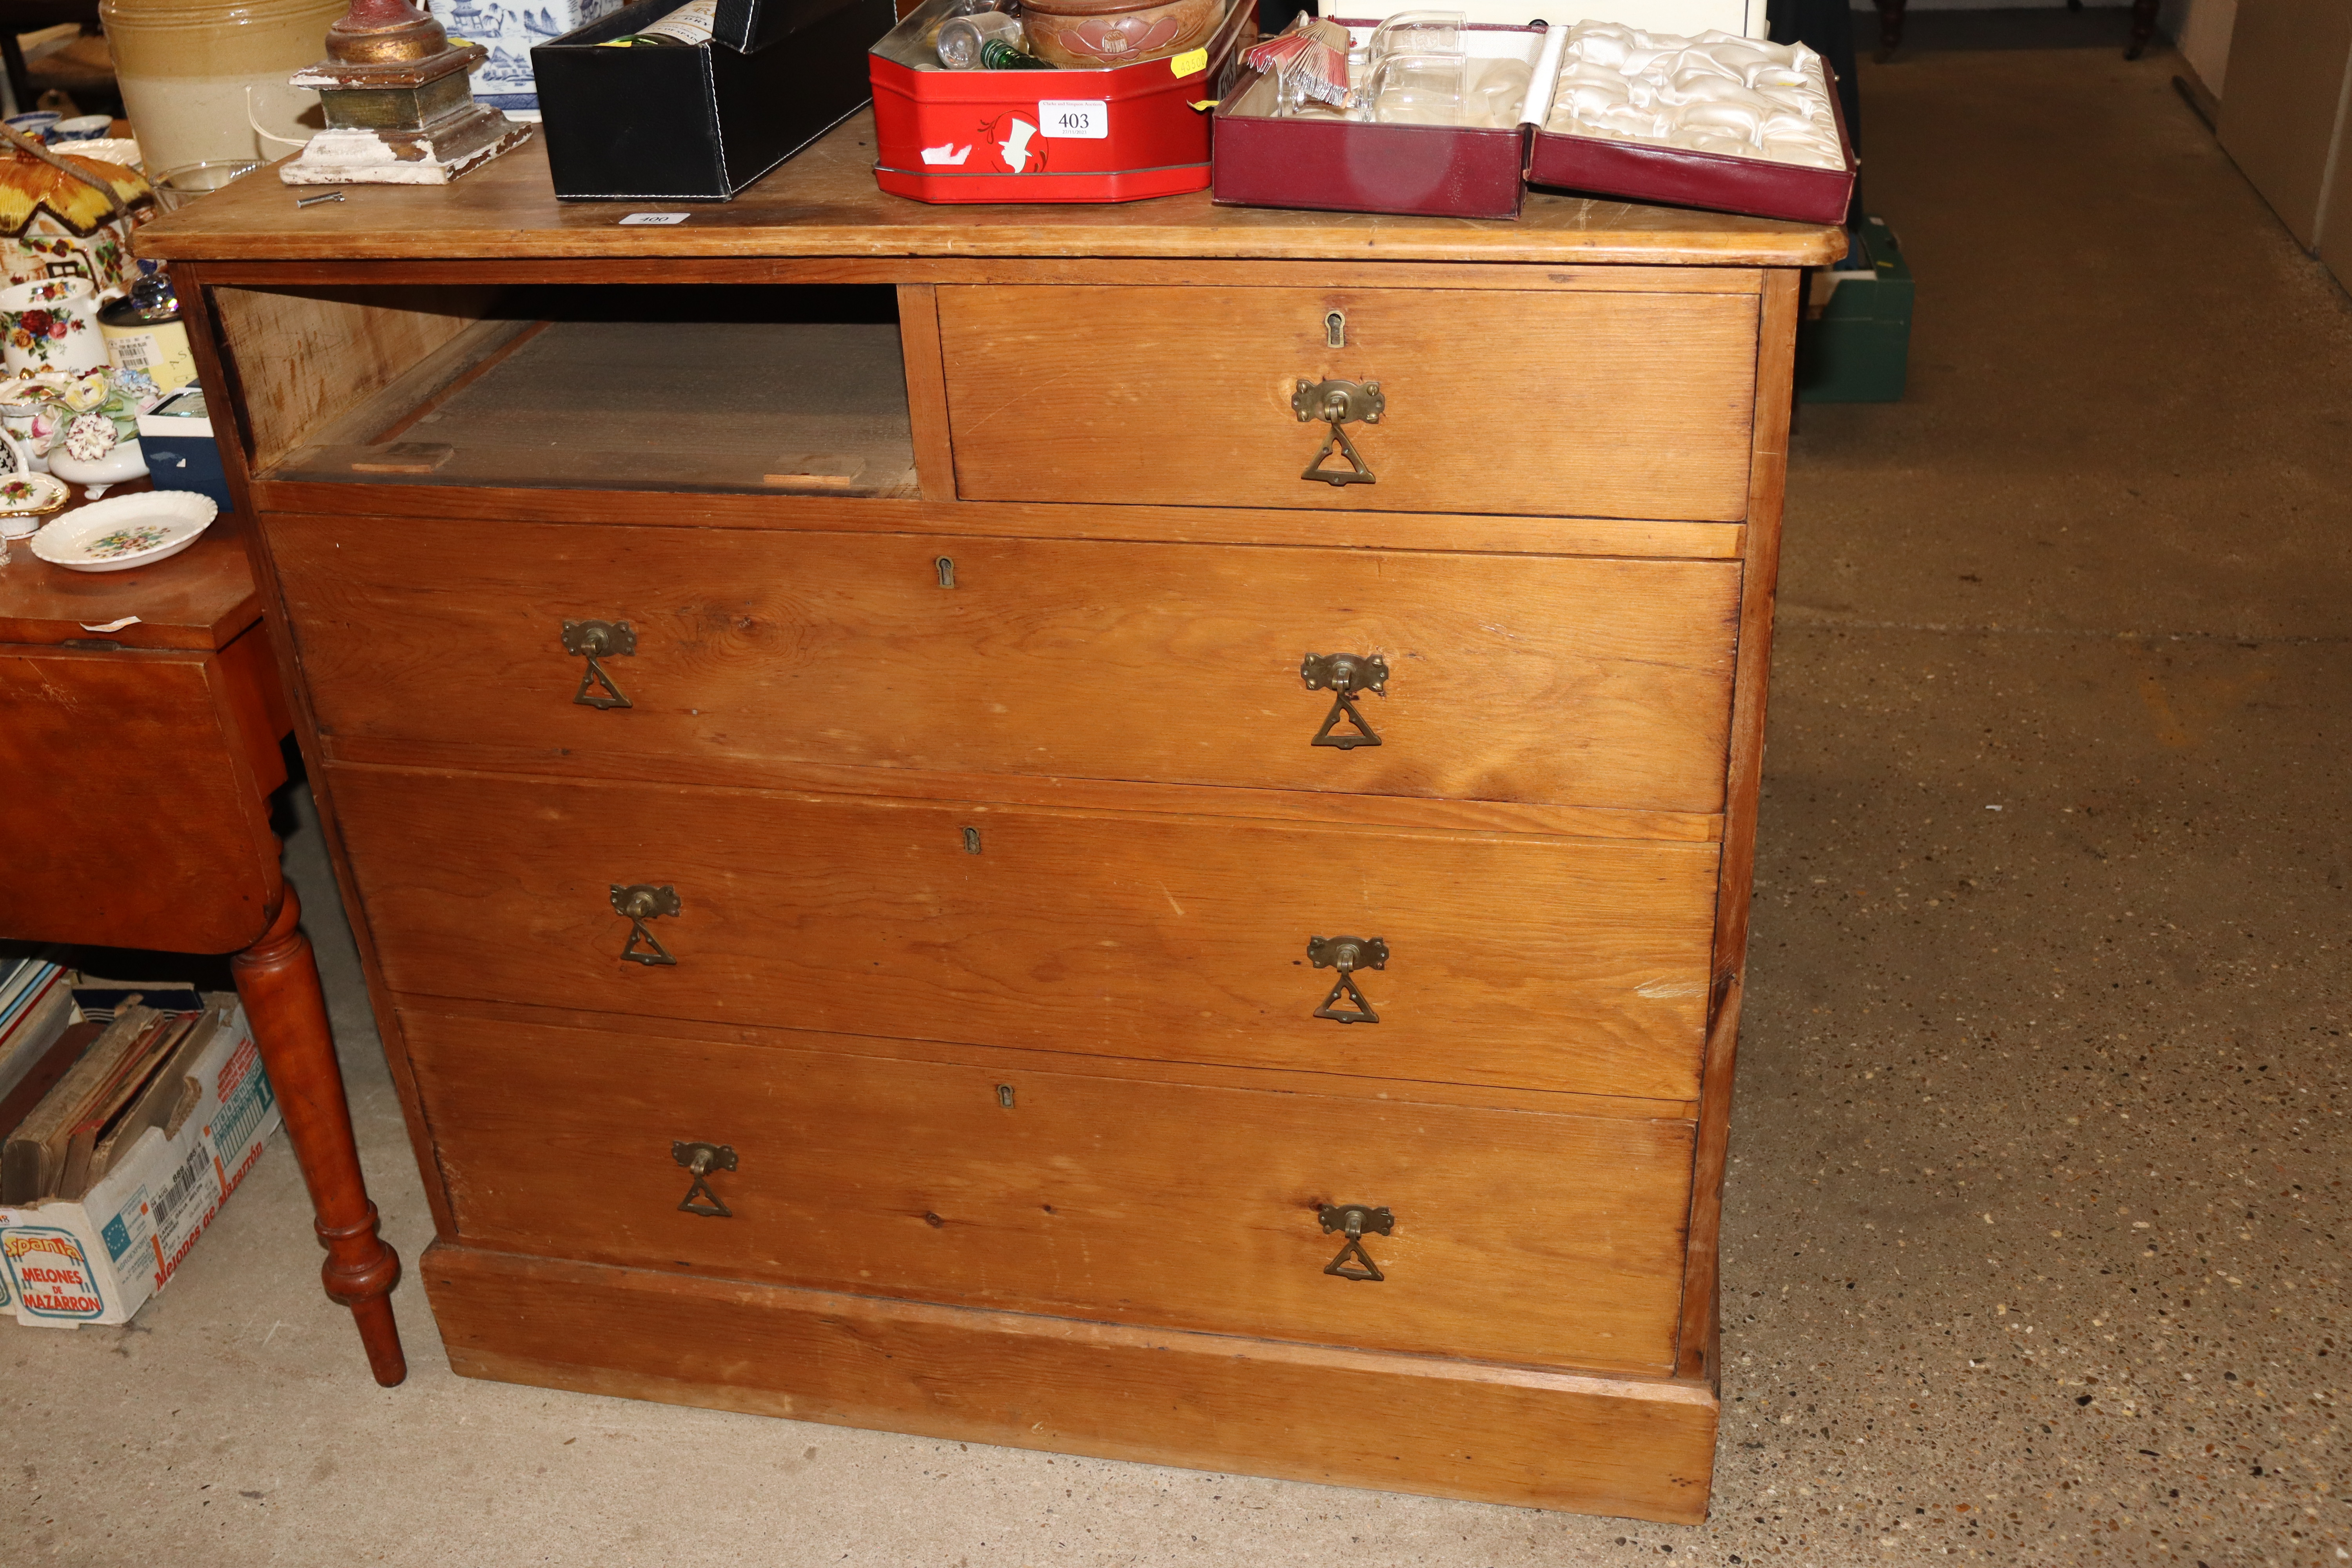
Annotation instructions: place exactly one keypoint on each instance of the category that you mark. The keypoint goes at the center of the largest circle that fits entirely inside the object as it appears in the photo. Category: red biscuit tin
(1118, 134)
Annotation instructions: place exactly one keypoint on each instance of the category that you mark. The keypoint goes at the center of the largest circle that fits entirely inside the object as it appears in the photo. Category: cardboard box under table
(1326, 162)
(1115, 134)
(700, 121)
(96, 1258)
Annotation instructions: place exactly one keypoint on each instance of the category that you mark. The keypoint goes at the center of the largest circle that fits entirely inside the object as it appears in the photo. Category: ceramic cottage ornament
(65, 214)
(399, 110)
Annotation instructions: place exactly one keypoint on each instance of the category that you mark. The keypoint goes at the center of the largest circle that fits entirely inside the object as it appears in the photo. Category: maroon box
(1457, 172)
(1676, 176)
(1338, 165)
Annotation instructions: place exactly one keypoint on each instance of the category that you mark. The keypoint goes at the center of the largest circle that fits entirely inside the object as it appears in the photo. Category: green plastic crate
(1855, 337)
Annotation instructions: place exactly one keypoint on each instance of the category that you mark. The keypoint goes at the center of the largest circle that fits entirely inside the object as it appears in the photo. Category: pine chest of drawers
(1115, 829)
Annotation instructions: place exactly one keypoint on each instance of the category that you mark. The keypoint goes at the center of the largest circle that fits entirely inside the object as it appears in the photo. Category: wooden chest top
(825, 202)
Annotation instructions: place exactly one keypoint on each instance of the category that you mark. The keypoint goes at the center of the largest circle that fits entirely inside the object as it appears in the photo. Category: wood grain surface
(1633, 1448)
(201, 598)
(597, 397)
(1324, 807)
(1532, 963)
(1004, 1061)
(301, 356)
(133, 816)
(1632, 405)
(1776, 367)
(1566, 680)
(927, 390)
(1150, 524)
(1166, 1204)
(824, 202)
(922, 270)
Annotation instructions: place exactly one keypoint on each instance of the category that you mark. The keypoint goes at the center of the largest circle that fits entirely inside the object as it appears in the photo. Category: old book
(27, 1040)
(30, 1162)
(129, 1080)
(29, 990)
(114, 1097)
(17, 975)
(63, 1052)
(157, 1102)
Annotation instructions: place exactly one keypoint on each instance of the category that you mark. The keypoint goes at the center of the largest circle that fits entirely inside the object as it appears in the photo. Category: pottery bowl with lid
(1077, 34)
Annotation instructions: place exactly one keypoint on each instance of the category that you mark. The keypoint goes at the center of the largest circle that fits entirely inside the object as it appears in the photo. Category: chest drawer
(1525, 961)
(1174, 1205)
(1603, 404)
(1527, 678)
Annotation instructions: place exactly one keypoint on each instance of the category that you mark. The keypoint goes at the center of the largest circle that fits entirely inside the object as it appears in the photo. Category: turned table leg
(2143, 28)
(278, 980)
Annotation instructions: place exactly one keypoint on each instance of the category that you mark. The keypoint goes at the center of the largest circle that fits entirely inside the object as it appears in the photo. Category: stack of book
(131, 1076)
(41, 1035)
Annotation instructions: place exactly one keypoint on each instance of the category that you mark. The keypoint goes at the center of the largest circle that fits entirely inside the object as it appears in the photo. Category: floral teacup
(52, 324)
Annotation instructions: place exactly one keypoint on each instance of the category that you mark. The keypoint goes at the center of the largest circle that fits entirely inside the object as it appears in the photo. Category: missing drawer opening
(786, 389)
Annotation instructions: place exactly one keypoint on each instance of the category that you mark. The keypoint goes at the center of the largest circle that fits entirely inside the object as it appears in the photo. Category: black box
(700, 122)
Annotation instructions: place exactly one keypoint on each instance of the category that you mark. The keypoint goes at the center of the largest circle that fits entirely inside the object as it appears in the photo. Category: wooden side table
(136, 766)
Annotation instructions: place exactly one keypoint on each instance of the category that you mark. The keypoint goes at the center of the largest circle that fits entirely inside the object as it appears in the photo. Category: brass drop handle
(640, 902)
(595, 640)
(1343, 675)
(1338, 404)
(1347, 955)
(1353, 1220)
(700, 1159)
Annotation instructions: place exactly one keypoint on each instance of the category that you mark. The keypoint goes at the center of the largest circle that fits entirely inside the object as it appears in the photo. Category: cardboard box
(699, 123)
(98, 1260)
(1118, 134)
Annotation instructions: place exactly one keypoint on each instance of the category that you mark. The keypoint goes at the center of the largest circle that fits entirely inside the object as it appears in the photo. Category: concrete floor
(2033, 1235)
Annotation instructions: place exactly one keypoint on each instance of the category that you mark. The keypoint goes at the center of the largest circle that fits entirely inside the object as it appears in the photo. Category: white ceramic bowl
(122, 150)
(123, 532)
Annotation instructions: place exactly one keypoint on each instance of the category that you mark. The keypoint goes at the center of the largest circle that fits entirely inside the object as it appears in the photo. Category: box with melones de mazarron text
(96, 1260)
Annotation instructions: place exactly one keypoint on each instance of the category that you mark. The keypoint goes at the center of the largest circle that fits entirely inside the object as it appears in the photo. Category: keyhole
(972, 840)
(946, 564)
(1335, 330)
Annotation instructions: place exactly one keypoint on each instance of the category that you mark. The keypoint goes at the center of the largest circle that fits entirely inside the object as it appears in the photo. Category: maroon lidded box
(1445, 171)
(1340, 165)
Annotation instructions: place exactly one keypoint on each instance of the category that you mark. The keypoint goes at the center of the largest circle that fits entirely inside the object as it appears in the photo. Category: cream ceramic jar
(184, 67)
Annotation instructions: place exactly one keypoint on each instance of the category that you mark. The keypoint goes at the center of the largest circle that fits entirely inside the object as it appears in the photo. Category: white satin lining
(1714, 93)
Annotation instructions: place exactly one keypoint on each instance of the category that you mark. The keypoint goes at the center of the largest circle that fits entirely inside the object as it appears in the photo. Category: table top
(825, 202)
(201, 598)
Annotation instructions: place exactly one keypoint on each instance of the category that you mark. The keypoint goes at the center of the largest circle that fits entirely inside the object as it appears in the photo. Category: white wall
(2203, 34)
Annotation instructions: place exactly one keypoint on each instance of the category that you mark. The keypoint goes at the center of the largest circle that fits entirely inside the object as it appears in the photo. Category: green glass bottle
(996, 55)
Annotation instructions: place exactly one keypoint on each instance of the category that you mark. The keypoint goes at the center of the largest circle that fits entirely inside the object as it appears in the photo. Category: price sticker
(1190, 62)
(1074, 119)
(656, 217)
